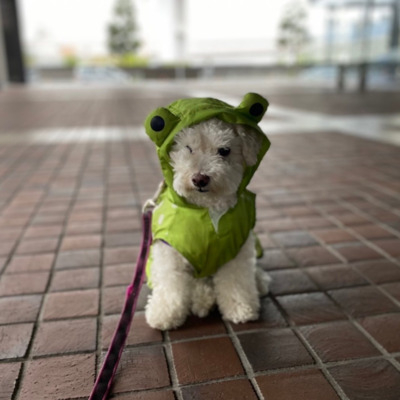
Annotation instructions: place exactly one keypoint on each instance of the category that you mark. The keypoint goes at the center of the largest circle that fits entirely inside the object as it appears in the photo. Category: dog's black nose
(200, 180)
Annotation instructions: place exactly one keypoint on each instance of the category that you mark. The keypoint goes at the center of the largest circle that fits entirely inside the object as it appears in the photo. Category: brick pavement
(329, 220)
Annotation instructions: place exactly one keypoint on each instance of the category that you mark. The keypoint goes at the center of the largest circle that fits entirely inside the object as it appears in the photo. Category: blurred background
(77, 80)
(333, 42)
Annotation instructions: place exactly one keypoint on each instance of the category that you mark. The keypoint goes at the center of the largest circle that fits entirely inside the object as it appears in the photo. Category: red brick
(372, 231)
(122, 225)
(43, 231)
(86, 216)
(40, 262)
(274, 349)
(357, 252)
(294, 238)
(73, 304)
(49, 219)
(310, 308)
(299, 211)
(140, 332)
(14, 284)
(70, 336)
(120, 255)
(85, 278)
(228, 390)
(275, 259)
(314, 222)
(362, 301)
(338, 341)
(10, 234)
(351, 219)
(78, 259)
(290, 281)
(335, 276)
(19, 309)
(8, 378)
(380, 271)
(368, 379)
(315, 255)
(14, 340)
(113, 299)
(123, 239)
(393, 289)
(88, 204)
(334, 236)
(80, 242)
(6, 248)
(307, 385)
(80, 228)
(118, 274)
(141, 368)
(126, 212)
(58, 377)
(123, 200)
(268, 213)
(385, 329)
(205, 359)
(159, 395)
(390, 246)
(37, 246)
(3, 261)
(278, 225)
(382, 215)
(11, 222)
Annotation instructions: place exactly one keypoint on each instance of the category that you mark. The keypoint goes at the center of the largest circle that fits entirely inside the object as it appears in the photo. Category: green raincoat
(187, 227)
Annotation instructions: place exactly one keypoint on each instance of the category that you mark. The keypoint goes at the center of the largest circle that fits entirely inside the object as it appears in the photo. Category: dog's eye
(224, 151)
(189, 148)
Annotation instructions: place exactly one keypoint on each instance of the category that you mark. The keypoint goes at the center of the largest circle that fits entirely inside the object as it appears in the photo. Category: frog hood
(164, 123)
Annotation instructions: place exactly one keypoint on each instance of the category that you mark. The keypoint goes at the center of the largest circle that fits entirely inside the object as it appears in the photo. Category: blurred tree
(122, 30)
(292, 31)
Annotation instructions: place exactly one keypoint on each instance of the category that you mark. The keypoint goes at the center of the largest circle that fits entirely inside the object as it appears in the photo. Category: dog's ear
(159, 124)
(251, 144)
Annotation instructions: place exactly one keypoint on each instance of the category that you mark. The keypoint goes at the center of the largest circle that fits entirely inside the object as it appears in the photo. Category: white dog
(208, 161)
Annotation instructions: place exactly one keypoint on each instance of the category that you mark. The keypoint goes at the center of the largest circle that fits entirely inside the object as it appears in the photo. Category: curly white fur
(237, 285)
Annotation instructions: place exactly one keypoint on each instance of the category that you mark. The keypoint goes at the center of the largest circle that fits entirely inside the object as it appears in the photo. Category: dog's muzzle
(200, 181)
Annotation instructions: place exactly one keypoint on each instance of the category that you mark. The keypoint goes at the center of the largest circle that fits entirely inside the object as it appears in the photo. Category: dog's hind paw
(241, 313)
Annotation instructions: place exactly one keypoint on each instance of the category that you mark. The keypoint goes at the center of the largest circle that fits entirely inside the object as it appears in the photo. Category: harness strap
(106, 375)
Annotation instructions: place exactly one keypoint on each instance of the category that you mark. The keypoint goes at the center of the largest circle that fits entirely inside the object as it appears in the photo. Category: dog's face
(209, 159)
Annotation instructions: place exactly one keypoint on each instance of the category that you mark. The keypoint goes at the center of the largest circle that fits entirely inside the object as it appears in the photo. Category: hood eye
(224, 151)
(190, 149)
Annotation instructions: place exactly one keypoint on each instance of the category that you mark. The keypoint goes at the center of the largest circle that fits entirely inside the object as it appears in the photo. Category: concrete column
(395, 29)
(3, 62)
(13, 49)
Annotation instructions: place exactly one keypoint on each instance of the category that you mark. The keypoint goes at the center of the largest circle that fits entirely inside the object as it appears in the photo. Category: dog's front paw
(163, 314)
(203, 298)
(240, 313)
(263, 282)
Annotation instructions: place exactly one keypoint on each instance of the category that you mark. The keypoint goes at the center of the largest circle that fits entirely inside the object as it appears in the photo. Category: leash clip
(151, 204)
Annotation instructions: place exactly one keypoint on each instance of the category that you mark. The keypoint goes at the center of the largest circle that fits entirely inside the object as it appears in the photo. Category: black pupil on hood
(224, 151)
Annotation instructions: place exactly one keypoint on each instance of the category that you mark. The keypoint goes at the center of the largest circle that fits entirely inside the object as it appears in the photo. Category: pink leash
(105, 378)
